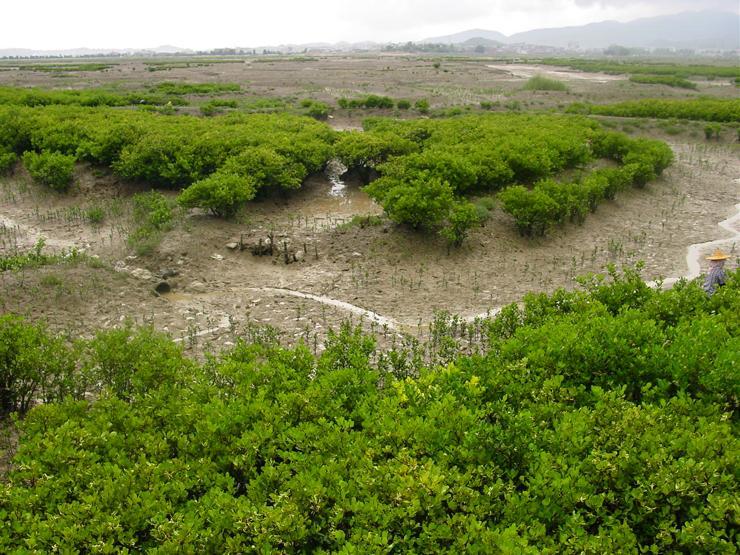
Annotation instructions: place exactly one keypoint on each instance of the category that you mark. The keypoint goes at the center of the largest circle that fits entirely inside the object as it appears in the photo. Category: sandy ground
(524, 71)
(389, 278)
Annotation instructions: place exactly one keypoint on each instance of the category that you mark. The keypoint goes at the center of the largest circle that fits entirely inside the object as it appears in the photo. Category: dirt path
(369, 314)
(527, 71)
(695, 253)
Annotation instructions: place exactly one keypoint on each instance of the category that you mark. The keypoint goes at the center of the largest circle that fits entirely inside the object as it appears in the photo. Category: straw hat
(718, 255)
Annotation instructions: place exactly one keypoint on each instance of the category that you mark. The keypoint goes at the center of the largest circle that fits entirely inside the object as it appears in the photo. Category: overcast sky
(58, 24)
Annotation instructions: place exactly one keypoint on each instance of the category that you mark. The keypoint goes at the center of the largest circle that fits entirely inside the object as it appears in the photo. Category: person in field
(716, 275)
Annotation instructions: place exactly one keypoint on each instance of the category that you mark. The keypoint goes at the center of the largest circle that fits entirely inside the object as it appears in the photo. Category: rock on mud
(197, 287)
(141, 273)
(263, 247)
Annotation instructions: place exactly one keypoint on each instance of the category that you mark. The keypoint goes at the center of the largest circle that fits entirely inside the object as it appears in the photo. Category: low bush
(553, 203)
(95, 215)
(533, 210)
(540, 83)
(164, 151)
(66, 67)
(179, 89)
(712, 130)
(7, 162)
(213, 107)
(596, 421)
(650, 68)
(707, 109)
(317, 110)
(462, 217)
(152, 209)
(424, 201)
(489, 152)
(422, 106)
(221, 193)
(128, 363)
(669, 80)
(34, 365)
(53, 169)
(82, 97)
(368, 102)
(153, 216)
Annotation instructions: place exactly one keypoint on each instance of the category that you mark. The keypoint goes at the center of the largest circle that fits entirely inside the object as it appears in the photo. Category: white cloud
(197, 24)
(666, 5)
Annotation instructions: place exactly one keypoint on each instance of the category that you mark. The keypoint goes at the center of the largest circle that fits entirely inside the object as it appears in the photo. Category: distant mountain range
(460, 38)
(76, 52)
(706, 30)
(695, 30)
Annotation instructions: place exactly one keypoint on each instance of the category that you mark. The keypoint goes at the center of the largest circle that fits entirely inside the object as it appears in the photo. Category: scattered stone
(162, 287)
(217, 257)
(197, 287)
(232, 246)
(263, 247)
(298, 256)
(357, 255)
(168, 273)
(141, 273)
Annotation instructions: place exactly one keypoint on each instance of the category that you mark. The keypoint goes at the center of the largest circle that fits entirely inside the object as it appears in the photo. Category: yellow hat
(718, 255)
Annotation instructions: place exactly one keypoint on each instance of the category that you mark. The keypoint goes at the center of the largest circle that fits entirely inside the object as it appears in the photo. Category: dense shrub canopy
(600, 421)
(669, 80)
(53, 169)
(428, 167)
(273, 150)
(709, 109)
(644, 67)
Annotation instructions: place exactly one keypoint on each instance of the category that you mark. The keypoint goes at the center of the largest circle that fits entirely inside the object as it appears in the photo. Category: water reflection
(334, 171)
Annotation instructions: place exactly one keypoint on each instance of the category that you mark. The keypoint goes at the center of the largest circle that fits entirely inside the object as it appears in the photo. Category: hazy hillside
(686, 30)
(465, 36)
(697, 30)
(27, 52)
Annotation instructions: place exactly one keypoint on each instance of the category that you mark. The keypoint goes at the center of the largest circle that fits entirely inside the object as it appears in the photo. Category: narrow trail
(695, 252)
(369, 314)
(224, 324)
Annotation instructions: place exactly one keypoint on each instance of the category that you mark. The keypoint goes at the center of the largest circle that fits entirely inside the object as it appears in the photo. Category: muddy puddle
(323, 202)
